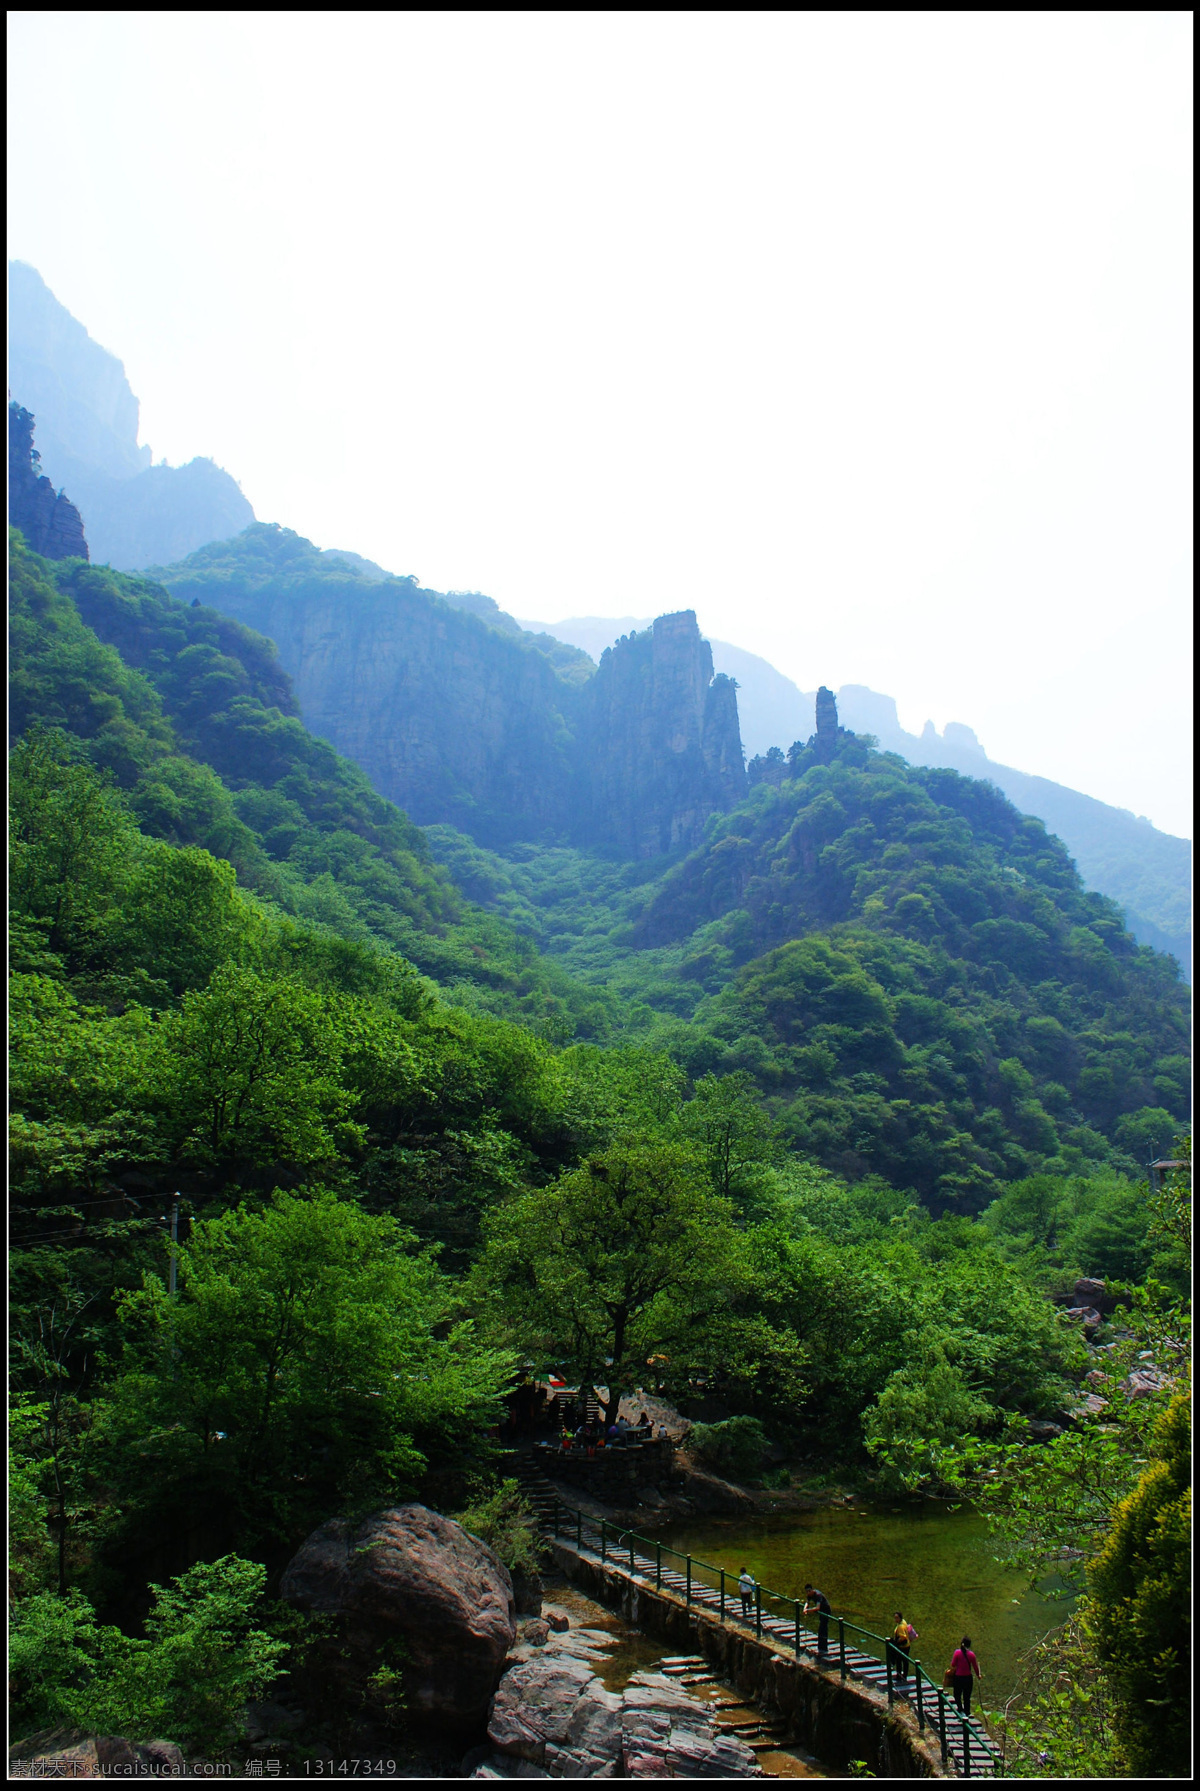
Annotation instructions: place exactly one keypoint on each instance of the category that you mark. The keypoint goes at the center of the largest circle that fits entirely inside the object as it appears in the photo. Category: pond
(934, 1563)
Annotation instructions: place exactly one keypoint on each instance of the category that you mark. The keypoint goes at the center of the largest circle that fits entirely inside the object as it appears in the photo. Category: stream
(933, 1562)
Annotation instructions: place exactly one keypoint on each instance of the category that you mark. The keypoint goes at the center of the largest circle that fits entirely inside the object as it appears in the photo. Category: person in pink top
(965, 1669)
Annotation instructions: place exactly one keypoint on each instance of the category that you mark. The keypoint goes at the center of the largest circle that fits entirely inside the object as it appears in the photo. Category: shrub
(202, 1657)
(736, 1445)
(505, 1521)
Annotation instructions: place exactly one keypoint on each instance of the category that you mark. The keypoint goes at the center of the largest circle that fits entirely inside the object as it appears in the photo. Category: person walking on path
(746, 1588)
(964, 1668)
(817, 1601)
(902, 1639)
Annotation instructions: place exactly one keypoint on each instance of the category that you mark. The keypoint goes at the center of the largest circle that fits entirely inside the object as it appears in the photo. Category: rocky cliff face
(136, 514)
(458, 721)
(449, 719)
(660, 746)
(48, 519)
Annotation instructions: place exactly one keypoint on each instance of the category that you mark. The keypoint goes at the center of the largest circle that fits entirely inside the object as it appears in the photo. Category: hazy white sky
(866, 335)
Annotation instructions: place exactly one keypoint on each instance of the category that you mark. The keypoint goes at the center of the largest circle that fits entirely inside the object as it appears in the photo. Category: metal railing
(836, 1643)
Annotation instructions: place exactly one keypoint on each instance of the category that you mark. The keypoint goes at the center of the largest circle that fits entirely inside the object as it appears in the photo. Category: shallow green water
(934, 1564)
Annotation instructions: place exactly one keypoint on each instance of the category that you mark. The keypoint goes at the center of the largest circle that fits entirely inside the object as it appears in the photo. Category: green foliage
(617, 1261)
(734, 1445)
(920, 1411)
(309, 1361)
(908, 969)
(1060, 1722)
(192, 716)
(201, 1658)
(1059, 1228)
(504, 1519)
(684, 1125)
(1139, 1611)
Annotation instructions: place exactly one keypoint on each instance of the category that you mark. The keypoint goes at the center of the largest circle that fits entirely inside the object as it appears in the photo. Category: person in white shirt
(746, 1588)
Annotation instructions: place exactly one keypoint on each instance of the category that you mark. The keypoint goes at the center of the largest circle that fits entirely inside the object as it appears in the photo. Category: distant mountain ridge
(460, 717)
(138, 516)
(1120, 854)
(134, 513)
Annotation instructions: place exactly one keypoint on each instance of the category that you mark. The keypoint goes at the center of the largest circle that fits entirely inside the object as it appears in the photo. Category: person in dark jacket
(815, 1600)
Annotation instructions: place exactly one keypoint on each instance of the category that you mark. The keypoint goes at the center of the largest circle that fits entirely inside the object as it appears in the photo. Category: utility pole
(174, 1244)
(171, 1272)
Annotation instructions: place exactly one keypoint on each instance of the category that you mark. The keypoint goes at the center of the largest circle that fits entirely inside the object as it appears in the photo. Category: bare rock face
(667, 1735)
(48, 519)
(662, 748)
(556, 1714)
(552, 1718)
(411, 1575)
(528, 1592)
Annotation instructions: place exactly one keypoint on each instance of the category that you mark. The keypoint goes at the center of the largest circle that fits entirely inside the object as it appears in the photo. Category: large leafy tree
(310, 1358)
(1140, 1603)
(624, 1258)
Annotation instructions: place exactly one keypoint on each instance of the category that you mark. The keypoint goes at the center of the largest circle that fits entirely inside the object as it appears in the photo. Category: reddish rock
(411, 1575)
(74, 1754)
(556, 1714)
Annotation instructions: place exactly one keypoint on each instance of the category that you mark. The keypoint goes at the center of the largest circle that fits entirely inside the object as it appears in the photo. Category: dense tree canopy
(721, 1128)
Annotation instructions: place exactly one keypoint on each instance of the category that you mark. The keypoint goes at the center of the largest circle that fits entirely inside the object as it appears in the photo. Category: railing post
(722, 1595)
(579, 1529)
(942, 1724)
(688, 1600)
(658, 1567)
(556, 1517)
(920, 1705)
(758, 1610)
(631, 1564)
(842, 1645)
(966, 1728)
(887, 1651)
(603, 1539)
(797, 1629)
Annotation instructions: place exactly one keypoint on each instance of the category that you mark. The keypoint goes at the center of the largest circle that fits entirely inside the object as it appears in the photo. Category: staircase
(537, 1490)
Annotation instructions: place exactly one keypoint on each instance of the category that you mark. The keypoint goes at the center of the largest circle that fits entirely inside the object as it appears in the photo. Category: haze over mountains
(491, 757)
(1148, 872)
(134, 513)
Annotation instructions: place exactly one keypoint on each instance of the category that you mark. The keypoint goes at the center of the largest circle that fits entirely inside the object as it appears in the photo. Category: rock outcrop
(458, 720)
(667, 1735)
(411, 1576)
(556, 1713)
(74, 1754)
(661, 748)
(136, 514)
(553, 1718)
(48, 519)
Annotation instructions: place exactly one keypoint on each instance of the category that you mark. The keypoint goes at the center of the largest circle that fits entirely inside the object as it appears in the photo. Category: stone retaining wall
(839, 1721)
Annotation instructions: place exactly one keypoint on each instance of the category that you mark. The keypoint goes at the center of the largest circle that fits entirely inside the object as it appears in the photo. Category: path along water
(935, 1564)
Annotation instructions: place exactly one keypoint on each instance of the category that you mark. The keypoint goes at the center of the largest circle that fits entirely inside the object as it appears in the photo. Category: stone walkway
(968, 1755)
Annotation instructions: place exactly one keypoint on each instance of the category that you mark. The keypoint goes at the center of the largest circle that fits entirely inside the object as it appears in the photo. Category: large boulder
(556, 1714)
(407, 1574)
(1088, 1291)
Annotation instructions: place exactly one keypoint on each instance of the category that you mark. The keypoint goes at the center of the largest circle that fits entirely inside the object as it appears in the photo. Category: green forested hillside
(911, 971)
(194, 719)
(411, 1143)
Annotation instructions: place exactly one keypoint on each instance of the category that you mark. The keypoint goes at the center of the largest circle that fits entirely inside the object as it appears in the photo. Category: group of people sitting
(592, 1435)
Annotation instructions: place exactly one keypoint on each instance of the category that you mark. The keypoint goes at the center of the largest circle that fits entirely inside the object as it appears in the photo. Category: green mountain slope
(194, 718)
(912, 972)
